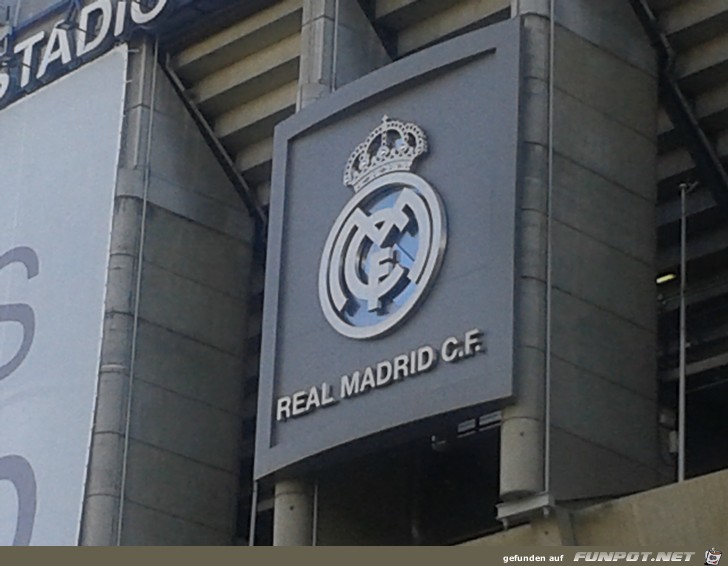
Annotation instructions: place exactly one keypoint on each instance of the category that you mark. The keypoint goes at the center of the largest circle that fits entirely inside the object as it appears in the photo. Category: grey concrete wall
(167, 434)
(604, 433)
(604, 347)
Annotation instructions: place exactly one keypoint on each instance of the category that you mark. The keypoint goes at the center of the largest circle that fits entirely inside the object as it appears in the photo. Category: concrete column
(103, 507)
(587, 154)
(522, 431)
(522, 7)
(293, 513)
(171, 362)
(338, 45)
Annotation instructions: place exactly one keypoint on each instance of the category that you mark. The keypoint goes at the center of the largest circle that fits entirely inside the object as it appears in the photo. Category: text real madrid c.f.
(380, 375)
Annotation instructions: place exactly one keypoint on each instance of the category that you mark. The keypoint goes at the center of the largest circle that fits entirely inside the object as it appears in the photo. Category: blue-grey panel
(464, 94)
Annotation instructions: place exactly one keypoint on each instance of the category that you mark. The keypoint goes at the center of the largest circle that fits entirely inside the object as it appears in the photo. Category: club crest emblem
(386, 246)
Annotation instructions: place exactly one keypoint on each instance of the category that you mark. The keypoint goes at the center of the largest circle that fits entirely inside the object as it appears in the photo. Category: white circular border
(438, 244)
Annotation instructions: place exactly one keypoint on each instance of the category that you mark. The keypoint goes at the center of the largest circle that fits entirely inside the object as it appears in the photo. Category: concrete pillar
(522, 430)
(587, 153)
(338, 45)
(171, 363)
(103, 506)
(293, 513)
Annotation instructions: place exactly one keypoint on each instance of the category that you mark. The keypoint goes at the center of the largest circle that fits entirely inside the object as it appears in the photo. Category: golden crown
(392, 146)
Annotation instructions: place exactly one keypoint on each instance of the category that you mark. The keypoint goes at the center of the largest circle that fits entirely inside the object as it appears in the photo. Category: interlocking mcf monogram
(385, 271)
(387, 244)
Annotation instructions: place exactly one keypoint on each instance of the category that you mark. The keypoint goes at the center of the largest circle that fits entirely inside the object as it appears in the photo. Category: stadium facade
(363, 272)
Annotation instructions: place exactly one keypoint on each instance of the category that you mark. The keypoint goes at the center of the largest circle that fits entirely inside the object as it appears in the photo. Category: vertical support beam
(683, 335)
(293, 513)
(567, 328)
(103, 510)
(338, 45)
(523, 7)
(158, 357)
(522, 429)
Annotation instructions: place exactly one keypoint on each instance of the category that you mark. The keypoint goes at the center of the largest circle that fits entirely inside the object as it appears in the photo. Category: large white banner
(59, 151)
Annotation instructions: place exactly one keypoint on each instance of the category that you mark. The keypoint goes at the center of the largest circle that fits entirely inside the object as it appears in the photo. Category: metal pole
(253, 514)
(314, 521)
(683, 343)
(147, 165)
(549, 252)
(335, 48)
(16, 16)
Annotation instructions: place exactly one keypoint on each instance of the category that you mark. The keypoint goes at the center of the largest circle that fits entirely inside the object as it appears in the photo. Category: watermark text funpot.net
(619, 556)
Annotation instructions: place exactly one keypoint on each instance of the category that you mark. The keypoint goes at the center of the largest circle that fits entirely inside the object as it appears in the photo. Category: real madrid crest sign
(386, 246)
(389, 297)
